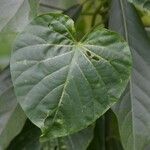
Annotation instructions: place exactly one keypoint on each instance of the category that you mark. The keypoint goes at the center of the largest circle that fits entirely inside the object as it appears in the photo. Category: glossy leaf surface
(133, 110)
(64, 85)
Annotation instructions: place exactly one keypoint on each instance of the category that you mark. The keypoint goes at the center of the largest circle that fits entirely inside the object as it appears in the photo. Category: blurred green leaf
(98, 142)
(14, 16)
(106, 133)
(148, 31)
(145, 4)
(133, 109)
(12, 118)
(29, 139)
(112, 136)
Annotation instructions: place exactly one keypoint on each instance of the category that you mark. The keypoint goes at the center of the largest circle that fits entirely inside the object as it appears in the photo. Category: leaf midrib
(65, 84)
(69, 70)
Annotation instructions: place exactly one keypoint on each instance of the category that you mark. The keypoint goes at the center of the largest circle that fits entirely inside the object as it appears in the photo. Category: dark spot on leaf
(55, 148)
(88, 53)
(49, 24)
(95, 58)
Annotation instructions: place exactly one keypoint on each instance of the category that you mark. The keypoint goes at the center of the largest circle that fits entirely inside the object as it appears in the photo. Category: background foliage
(125, 126)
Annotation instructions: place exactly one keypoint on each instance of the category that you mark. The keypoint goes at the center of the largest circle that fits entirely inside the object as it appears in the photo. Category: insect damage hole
(95, 58)
(88, 53)
(91, 56)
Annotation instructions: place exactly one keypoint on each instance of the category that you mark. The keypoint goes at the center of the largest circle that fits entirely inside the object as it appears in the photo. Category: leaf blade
(66, 65)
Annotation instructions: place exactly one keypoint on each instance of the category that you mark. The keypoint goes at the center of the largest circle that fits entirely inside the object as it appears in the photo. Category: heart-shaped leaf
(64, 85)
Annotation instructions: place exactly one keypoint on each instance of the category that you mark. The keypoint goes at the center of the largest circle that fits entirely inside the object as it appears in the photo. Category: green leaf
(98, 142)
(64, 85)
(106, 134)
(14, 16)
(148, 32)
(29, 139)
(142, 3)
(12, 118)
(34, 6)
(112, 136)
(76, 141)
(133, 110)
